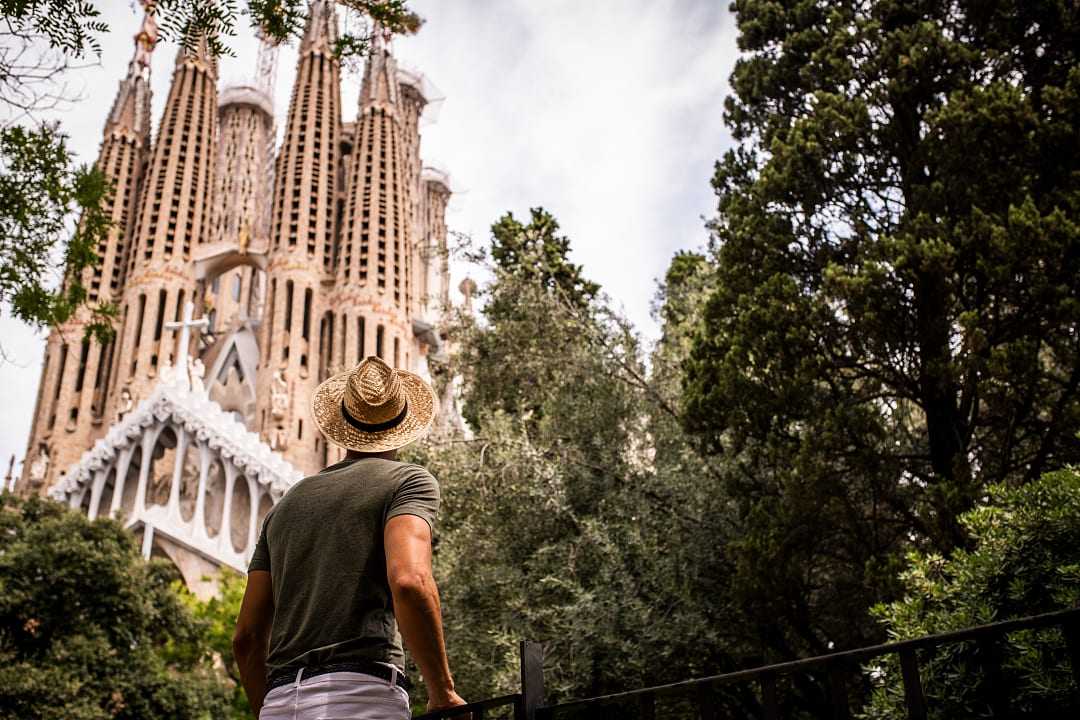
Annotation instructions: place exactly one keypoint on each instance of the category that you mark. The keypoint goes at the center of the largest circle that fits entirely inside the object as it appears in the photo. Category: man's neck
(385, 455)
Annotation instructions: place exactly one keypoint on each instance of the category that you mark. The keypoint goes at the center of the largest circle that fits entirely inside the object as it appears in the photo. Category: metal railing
(838, 668)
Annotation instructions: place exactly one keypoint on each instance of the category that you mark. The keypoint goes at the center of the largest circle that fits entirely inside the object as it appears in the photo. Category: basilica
(245, 272)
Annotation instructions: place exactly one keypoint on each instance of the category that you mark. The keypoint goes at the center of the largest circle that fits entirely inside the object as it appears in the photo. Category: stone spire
(77, 372)
(321, 31)
(266, 65)
(376, 232)
(302, 247)
(372, 300)
(172, 219)
(379, 87)
(131, 109)
(242, 191)
(307, 164)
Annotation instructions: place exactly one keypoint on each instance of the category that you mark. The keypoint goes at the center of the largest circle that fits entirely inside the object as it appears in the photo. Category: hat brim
(326, 411)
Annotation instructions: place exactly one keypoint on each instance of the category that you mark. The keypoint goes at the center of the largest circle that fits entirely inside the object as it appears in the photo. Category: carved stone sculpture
(197, 372)
(40, 467)
(279, 395)
(126, 404)
(167, 374)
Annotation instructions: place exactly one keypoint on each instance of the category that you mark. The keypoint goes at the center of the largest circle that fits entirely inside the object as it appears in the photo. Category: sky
(607, 113)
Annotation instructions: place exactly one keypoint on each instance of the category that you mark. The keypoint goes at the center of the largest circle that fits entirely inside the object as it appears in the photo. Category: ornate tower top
(131, 109)
(322, 31)
(380, 87)
(146, 38)
(266, 64)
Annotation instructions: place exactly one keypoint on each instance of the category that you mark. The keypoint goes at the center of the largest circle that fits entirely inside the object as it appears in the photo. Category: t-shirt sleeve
(417, 495)
(260, 559)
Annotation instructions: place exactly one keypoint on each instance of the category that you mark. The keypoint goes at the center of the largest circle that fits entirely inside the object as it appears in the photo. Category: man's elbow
(412, 584)
(244, 643)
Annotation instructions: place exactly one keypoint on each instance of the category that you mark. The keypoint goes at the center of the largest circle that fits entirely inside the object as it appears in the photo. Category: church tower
(373, 283)
(76, 371)
(241, 197)
(172, 220)
(230, 269)
(302, 247)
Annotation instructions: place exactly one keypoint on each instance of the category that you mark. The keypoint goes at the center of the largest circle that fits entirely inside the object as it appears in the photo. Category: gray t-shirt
(323, 546)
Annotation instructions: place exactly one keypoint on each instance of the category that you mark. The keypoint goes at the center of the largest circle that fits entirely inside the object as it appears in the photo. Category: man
(344, 562)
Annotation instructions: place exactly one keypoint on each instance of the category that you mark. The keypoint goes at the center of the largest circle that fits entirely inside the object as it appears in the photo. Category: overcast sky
(606, 112)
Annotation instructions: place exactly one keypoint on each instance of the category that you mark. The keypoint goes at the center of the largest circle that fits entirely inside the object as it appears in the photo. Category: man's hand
(407, 539)
(451, 700)
(252, 637)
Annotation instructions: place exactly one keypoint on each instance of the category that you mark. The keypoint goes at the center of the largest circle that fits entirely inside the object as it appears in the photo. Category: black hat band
(374, 427)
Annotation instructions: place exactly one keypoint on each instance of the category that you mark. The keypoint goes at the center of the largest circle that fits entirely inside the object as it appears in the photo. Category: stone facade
(302, 261)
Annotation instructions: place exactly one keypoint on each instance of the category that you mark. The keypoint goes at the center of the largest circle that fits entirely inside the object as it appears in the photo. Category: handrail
(475, 709)
(529, 704)
(850, 656)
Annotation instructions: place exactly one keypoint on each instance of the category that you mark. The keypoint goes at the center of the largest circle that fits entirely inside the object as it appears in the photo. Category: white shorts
(337, 696)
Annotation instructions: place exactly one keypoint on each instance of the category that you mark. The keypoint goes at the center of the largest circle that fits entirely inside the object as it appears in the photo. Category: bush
(88, 629)
(1024, 560)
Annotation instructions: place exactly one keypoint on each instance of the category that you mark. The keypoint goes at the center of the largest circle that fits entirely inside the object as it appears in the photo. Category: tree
(217, 619)
(537, 253)
(506, 365)
(892, 320)
(532, 259)
(41, 192)
(557, 525)
(88, 630)
(1025, 559)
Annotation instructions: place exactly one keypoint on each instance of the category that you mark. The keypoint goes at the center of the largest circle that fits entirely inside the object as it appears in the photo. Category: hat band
(374, 427)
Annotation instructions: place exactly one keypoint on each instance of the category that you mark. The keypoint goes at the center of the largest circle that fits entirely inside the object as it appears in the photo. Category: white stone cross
(184, 326)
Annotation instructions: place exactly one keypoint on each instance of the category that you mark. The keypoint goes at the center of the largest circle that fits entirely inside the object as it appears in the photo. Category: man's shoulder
(394, 469)
(412, 468)
(361, 477)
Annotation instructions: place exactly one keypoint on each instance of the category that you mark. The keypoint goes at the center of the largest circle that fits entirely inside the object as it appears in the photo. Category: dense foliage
(88, 630)
(217, 620)
(40, 192)
(1025, 559)
(577, 513)
(893, 310)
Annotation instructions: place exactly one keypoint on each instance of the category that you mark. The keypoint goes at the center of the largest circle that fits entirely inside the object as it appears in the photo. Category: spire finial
(381, 36)
(147, 37)
(266, 63)
(321, 31)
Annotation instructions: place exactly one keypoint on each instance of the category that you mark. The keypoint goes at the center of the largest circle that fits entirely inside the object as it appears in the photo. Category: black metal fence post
(838, 693)
(532, 679)
(1071, 630)
(770, 702)
(913, 690)
(993, 685)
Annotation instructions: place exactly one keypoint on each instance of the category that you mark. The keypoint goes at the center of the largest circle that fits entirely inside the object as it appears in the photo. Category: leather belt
(284, 677)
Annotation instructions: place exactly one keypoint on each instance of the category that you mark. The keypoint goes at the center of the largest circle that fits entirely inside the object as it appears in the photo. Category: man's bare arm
(252, 638)
(407, 539)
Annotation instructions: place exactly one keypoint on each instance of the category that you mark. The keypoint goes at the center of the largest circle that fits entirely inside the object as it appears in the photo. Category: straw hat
(373, 407)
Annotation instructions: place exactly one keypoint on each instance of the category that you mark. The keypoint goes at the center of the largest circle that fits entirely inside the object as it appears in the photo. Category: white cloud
(607, 113)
